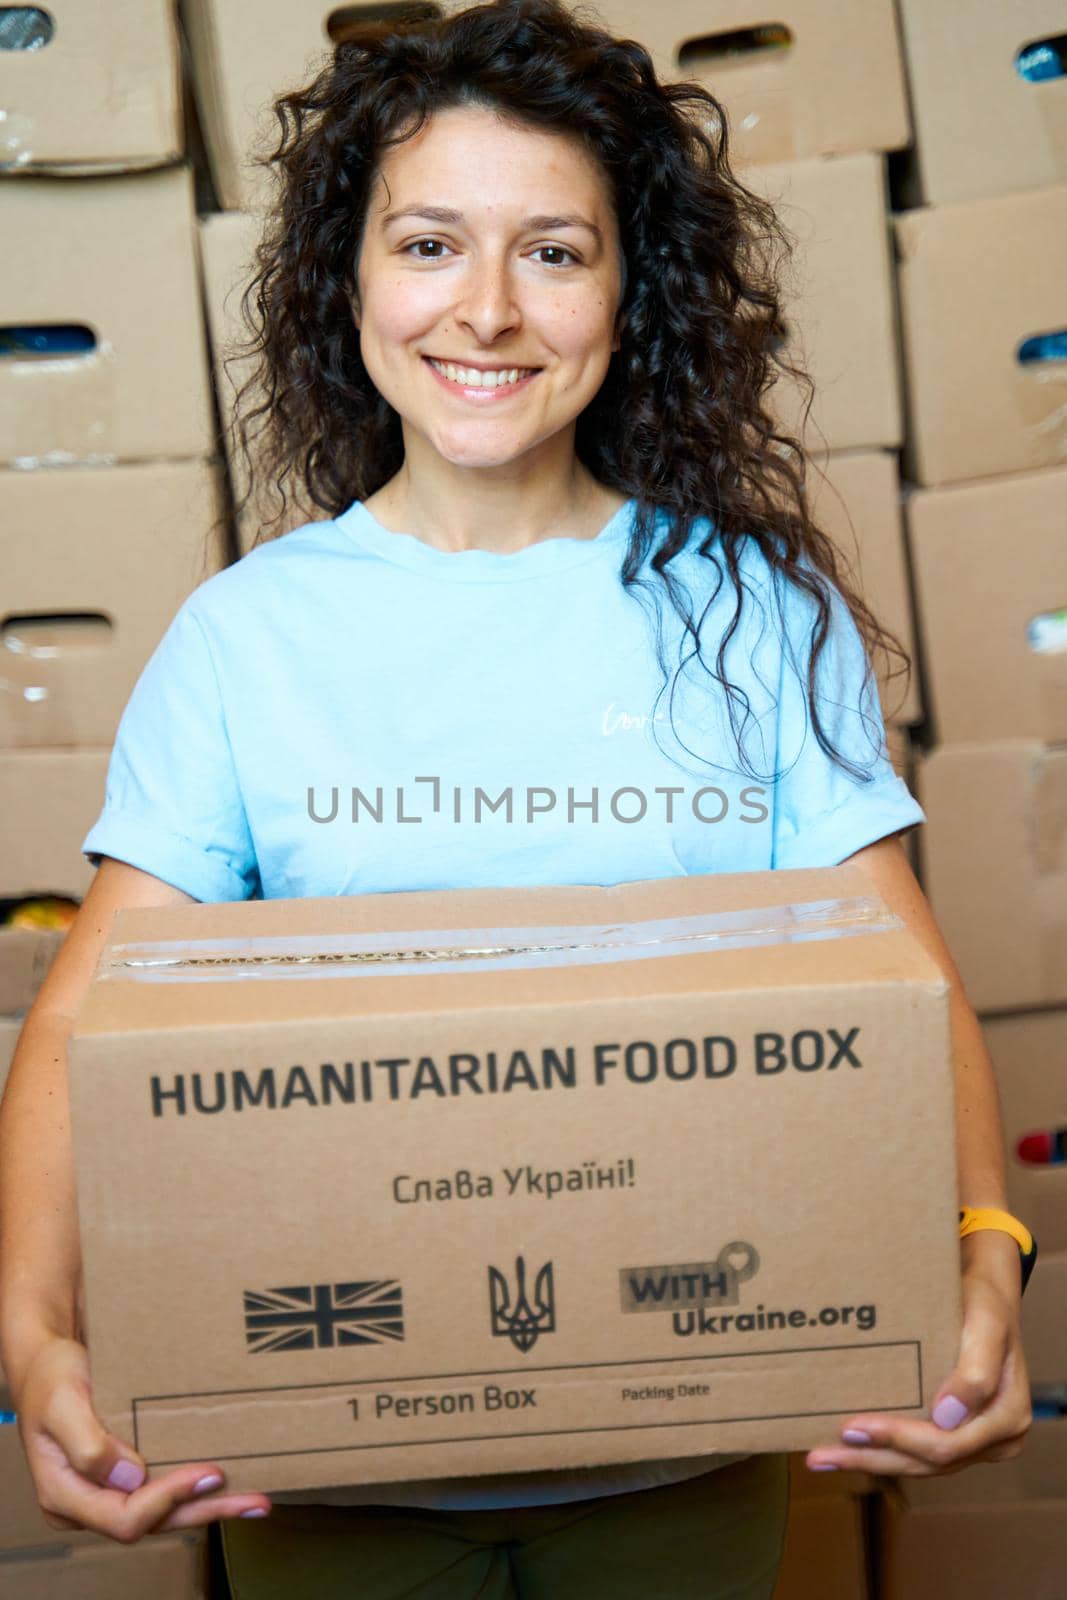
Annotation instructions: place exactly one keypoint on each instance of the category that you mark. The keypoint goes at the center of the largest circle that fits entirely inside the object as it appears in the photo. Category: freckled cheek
(580, 329)
(405, 312)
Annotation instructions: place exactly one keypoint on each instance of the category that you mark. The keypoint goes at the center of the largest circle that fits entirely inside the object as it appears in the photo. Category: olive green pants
(716, 1537)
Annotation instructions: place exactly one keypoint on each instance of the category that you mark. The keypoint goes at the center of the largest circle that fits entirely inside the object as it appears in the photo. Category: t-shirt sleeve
(173, 804)
(823, 813)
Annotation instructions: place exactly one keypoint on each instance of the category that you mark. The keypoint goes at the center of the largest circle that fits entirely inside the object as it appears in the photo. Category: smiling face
(512, 263)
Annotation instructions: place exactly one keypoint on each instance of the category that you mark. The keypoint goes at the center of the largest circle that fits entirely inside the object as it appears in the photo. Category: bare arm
(39, 1259)
(981, 1410)
(83, 1475)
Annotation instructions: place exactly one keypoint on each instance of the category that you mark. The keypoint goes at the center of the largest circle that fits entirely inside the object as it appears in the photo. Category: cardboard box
(837, 301)
(807, 1485)
(985, 675)
(25, 956)
(981, 128)
(115, 258)
(165, 1566)
(624, 1150)
(1029, 1052)
(243, 54)
(228, 241)
(835, 87)
(90, 85)
(838, 88)
(171, 1566)
(983, 1552)
(994, 862)
(49, 799)
(10, 1028)
(1038, 1473)
(978, 280)
(98, 563)
(1044, 1317)
(856, 498)
(22, 1523)
(825, 1555)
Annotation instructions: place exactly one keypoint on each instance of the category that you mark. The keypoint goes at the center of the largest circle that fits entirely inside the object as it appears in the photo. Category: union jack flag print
(317, 1316)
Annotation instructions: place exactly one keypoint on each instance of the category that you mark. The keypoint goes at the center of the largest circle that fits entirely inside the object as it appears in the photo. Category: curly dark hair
(679, 423)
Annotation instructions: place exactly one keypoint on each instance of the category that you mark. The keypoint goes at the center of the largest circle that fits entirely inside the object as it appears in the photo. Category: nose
(488, 304)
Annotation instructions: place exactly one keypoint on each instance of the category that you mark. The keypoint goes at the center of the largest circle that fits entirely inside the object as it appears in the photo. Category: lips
(482, 394)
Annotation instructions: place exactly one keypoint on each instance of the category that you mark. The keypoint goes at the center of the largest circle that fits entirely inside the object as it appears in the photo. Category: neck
(484, 512)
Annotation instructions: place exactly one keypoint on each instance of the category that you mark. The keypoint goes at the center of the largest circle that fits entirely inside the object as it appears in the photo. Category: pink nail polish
(949, 1412)
(855, 1436)
(256, 1511)
(823, 1466)
(126, 1475)
(211, 1481)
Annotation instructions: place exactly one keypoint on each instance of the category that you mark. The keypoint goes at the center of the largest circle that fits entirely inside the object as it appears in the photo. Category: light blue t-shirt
(348, 710)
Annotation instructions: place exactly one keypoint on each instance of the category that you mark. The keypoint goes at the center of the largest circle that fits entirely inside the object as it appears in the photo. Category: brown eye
(415, 242)
(560, 250)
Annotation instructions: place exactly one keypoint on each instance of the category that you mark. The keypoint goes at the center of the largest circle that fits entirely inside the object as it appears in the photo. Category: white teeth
(471, 378)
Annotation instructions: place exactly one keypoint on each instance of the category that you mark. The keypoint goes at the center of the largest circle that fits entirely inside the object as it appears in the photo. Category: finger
(1007, 1418)
(215, 1508)
(128, 1517)
(880, 1462)
(917, 1445)
(923, 1443)
(901, 1463)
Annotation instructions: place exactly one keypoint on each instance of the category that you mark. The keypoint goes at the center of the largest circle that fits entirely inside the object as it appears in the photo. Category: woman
(516, 320)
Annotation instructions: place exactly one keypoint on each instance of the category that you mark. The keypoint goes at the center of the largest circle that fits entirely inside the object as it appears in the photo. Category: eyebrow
(447, 214)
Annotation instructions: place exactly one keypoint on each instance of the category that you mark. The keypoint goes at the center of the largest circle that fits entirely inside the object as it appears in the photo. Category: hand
(86, 1478)
(982, 1410)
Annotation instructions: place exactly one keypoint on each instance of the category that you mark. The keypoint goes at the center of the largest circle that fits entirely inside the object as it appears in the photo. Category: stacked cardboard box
(996, 1530)
(109, 500)
(828, 1537)
(243, 53)
(981, 242)
(39, 1562)
(108, 495)
(815, 102)
(983, 286)
(25, 956)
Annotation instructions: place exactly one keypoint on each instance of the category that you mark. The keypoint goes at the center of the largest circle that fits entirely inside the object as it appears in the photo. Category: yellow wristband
(973, 1218)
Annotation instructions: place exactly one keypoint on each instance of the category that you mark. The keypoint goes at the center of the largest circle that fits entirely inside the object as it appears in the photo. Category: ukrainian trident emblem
(514, 1315)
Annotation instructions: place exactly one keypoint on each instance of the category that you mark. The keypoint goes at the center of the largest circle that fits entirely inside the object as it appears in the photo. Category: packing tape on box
(498, 949)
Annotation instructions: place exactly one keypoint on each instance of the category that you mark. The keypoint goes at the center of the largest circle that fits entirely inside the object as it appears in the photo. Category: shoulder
(262, 574)
(750, 587)
(708, 567)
